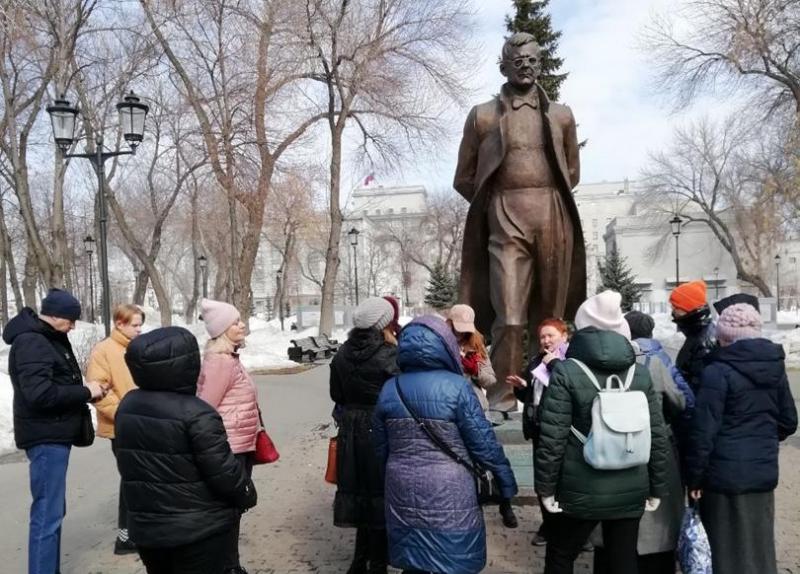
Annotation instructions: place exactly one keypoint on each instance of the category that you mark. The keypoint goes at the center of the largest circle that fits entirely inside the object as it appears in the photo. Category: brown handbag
(330, 471)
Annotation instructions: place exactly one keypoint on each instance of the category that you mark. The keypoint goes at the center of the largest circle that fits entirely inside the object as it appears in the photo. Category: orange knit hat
(689, 296)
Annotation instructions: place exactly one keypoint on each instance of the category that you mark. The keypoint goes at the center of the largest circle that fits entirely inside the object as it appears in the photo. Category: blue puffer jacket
(744, 407)
(433, 519)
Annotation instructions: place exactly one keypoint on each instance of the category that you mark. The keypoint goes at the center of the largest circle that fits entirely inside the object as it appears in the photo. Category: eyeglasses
(529, 60)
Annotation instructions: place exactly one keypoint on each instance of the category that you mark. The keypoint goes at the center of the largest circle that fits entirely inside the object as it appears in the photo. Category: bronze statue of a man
(523, 256)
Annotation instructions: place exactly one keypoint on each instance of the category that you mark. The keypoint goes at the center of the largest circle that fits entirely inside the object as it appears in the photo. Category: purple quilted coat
(433, 519)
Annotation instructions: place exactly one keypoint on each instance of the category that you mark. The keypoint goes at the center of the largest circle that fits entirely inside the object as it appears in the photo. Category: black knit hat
(60, 303)
(641, 324)
(726, 302)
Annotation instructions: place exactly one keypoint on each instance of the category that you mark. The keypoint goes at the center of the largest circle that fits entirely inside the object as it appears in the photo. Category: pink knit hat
(740, 321)
(218, 316)
(603, 311)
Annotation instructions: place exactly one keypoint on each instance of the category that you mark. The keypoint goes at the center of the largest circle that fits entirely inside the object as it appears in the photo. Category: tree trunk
(3, 290)
(190, 312)
(30, 279)
(164, 304)
(140, 287)
(326, 315)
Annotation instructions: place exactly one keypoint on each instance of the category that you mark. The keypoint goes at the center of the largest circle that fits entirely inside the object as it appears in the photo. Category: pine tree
(617, 276)
(531, 17)
(441, 290)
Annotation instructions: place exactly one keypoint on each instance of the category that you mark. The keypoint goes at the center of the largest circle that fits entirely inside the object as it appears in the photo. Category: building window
(404, 210)
(594, 223)
(594, 236)
(390, 211)
(366, 212)
(377, 212)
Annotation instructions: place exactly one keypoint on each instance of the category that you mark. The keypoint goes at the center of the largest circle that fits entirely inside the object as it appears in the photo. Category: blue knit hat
(60, 303)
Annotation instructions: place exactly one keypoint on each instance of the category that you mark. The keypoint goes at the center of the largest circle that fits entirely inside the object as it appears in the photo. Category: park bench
(330, 346)
(304, 349)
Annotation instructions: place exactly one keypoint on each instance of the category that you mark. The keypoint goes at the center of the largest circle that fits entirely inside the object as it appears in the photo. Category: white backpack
(620, 433)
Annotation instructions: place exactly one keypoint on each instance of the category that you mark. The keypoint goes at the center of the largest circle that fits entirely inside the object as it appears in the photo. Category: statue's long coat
(482, 151)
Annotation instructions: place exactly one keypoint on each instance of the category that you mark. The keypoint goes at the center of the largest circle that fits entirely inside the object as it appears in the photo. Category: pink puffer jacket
(226, 386)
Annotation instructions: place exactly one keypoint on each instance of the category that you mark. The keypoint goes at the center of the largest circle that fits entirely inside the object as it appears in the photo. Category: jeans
(567, 535)
(48, 481)
(202, 557)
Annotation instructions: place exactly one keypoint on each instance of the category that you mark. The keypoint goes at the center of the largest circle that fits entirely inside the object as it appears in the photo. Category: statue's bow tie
(518, 101)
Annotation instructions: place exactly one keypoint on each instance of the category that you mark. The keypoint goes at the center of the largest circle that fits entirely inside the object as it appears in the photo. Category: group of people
(183, 432)
(416, 439)
(414, 428)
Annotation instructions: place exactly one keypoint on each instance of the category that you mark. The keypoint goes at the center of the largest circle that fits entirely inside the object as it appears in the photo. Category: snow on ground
(266, 349)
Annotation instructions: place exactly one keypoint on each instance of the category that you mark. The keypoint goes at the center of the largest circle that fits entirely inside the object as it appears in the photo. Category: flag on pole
(369, 179)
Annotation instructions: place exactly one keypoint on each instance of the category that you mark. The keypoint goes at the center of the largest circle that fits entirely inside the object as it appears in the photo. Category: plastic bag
(694, 551)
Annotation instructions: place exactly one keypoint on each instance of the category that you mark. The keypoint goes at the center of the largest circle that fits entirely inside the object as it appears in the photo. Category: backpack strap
(588, 372)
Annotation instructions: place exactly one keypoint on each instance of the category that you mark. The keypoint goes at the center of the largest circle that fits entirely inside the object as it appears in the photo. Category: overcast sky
(608, 88)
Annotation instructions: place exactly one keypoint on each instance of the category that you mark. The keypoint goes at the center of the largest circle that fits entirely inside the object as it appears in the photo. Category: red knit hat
(689, 296)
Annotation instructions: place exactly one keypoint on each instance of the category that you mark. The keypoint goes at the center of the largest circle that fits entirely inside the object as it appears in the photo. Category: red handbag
(265, 449)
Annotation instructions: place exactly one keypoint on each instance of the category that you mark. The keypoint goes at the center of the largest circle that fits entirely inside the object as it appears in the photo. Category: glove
(651, 504)
(551, 506)
(248, 498)
(470, 363)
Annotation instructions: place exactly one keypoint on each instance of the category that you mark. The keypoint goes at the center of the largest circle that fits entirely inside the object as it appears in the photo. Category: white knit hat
(375, 312)
(604, 312)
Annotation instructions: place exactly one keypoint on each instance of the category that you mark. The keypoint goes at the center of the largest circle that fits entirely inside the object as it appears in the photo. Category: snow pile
(6, 420)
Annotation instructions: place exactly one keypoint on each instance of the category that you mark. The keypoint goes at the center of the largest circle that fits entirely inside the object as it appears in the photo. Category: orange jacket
(107, 365)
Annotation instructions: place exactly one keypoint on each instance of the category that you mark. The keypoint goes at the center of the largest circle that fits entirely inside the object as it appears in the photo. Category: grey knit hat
(375, 312)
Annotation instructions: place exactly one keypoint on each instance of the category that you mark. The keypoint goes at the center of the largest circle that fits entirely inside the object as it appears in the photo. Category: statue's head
(520, 62)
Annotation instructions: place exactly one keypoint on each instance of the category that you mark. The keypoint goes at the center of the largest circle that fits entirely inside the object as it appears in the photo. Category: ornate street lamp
(132, 115)
(202, 261)
(353, 236)
(676, 223)
(88, 244)
(778, 281)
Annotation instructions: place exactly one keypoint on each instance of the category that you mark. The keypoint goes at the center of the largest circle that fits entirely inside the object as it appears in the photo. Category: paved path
(290, 530)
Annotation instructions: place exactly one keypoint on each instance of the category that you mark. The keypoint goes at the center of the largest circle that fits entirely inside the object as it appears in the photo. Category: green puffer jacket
(561, 471)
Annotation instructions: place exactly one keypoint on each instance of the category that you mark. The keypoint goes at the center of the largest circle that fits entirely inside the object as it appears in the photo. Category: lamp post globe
(62, 118)
(88, 244)
(132, 114)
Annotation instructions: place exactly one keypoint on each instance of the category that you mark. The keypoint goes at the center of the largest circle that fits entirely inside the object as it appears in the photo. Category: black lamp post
(716, 283)
(202, 261)
(778, 281)
(353, 235)
(676, 223)
(132, 114)
(279, 295)
(88, 243)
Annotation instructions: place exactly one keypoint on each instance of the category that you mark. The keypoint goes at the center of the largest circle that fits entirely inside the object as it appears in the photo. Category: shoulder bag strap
(435, 439)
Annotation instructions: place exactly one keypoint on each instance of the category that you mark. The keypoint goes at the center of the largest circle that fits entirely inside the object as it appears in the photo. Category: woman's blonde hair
(221, 345)
(125, 313)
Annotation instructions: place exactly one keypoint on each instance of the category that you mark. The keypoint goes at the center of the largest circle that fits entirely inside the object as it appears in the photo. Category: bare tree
(236, 67)
(707, 176)
(391, 67)
(724, 44)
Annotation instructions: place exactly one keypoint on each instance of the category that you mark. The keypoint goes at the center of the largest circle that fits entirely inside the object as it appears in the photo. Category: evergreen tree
(441, 290)
(531, 17)
(617, 276)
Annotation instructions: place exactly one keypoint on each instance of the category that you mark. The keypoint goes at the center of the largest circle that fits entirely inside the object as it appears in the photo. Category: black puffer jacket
(360, 368)
(49, 396)
(698, 328)
(744, 407)
(179, 476)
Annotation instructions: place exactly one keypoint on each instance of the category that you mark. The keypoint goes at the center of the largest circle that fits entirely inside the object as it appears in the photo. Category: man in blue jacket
(49, 405)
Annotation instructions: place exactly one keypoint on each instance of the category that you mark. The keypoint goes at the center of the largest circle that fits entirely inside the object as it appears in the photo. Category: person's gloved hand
(652, 504)
(470, 363)
(550, 505)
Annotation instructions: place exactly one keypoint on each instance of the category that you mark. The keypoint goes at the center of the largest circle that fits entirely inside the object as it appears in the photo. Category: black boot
(361, 554)
(378, 552)
(509, 518)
